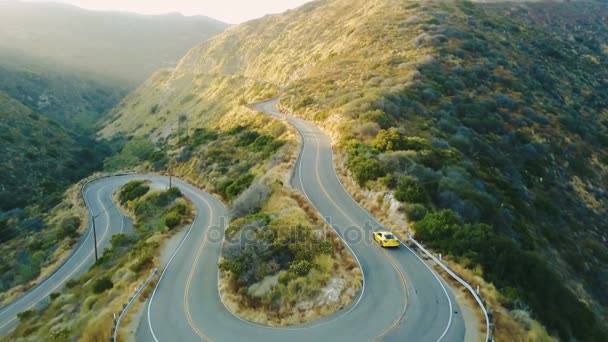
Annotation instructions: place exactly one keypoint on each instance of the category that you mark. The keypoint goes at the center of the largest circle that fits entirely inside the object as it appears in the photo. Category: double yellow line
(191, 322)
(388, 257)
(193, 268)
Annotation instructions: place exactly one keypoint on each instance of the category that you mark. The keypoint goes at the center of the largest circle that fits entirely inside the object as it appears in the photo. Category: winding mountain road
(402, 297)
(98, 197)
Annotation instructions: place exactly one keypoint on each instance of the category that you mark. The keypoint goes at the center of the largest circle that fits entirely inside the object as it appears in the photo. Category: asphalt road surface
(401, 299)
(98, 196)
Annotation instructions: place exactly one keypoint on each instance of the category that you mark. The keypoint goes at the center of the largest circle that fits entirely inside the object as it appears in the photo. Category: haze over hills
(116, 46)
(74, 64)
(491, 132)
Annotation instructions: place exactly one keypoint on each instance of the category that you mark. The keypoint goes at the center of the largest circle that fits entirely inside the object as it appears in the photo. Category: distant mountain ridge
(123, 46)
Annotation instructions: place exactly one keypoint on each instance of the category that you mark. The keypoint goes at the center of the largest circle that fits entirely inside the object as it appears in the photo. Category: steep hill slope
(38, 157)
(74, 65)
(73, 100)
(120, 46)
(491, 132)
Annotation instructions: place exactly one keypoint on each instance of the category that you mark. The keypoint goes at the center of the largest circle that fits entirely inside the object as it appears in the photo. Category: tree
(393, 140)
(437, 226)
(410, 191)
(365, 169)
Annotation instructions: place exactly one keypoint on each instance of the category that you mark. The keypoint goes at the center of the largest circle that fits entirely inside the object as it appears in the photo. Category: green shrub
(365, 169)
(120, 240)
(133, 190)
(324, 247)
(68, 227)
(301, 268)
(71, 283)
(54, 296)
(377, 116)
(409, 190)
(235, 267)
(393, 140)
(239, 185)
(143, 262)
(180, 208)
(415, 211)
(246, 138)
(202, 136)
(173, 219)
(26, 315)
(102, 284)
(134, 153)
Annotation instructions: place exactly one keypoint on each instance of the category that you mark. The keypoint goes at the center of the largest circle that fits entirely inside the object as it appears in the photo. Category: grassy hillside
(121, 46)
(38, 157)
(489, 131)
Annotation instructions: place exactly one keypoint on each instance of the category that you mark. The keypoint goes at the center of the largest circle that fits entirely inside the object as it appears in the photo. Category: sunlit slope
(495, 118)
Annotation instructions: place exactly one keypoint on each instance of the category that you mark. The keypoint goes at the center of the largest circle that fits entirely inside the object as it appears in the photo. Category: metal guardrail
(461, 281)
(125, 307)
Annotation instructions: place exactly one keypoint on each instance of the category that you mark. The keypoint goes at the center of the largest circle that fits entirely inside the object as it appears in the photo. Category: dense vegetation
(34, 240)
(448, 107)
(293, 258)
(39, 158)
(84, 310)
(490, 130)
(75, 101)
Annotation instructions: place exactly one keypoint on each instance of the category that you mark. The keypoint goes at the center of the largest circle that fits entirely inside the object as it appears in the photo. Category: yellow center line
(191, 322)
(388, 257)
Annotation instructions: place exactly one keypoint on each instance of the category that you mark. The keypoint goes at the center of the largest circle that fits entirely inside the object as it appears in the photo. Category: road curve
(402, 297)
(97, 195)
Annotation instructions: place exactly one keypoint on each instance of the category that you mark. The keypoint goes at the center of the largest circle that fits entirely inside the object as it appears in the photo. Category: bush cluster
(133, 190)
(258, 246)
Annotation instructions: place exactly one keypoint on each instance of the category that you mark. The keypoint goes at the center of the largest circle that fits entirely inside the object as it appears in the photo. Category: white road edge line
(406, 246)
(338, 316)
(57, 271)
(161, 278)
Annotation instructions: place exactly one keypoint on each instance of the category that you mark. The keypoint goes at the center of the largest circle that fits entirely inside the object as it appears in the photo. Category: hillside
(121, 47)
(38, 157)
(78, 70)
(73, 100)
(490, 132)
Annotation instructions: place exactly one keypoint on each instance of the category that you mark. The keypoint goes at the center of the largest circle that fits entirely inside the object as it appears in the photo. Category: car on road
(386, 239)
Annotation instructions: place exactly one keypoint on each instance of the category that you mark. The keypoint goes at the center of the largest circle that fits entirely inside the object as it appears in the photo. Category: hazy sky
(230, 11)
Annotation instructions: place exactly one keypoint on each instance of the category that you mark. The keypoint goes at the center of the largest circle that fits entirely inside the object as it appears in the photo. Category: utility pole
(95, 235)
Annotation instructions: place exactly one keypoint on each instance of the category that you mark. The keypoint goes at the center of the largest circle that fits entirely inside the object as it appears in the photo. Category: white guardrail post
(458, 279)
(126, 306)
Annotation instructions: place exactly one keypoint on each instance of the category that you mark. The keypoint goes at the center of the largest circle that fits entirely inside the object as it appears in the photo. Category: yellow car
(386, 239)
